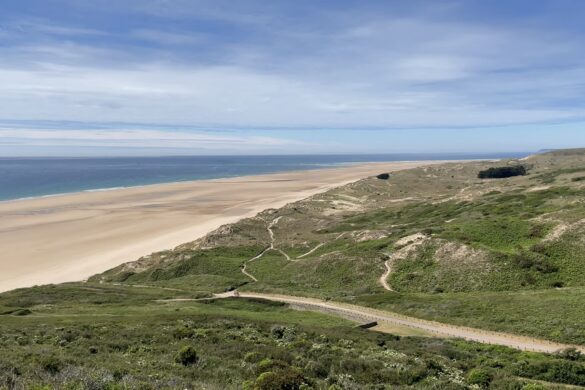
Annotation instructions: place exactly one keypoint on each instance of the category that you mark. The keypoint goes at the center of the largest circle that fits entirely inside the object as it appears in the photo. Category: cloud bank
(291, 65)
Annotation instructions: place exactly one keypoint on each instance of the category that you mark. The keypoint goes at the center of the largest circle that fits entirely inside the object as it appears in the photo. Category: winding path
(366, 314)
(247, 273)
(411, 242)
(271, 247)
(311, 251)
(384, 277)
(318, 246)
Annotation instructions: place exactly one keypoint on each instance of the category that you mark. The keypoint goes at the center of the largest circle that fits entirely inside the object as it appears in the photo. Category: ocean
(34, 177)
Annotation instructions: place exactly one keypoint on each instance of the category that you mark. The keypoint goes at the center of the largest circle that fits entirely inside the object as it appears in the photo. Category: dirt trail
(366, 314)
(317, 247)
(248, 274)
(311, 251)
(271, 247)
(407, 245)
(384, 277)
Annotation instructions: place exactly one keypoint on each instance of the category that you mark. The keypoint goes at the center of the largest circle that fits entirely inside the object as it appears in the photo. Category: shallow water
(33, 177)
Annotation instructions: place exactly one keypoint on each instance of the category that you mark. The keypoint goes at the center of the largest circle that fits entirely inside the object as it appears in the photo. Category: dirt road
(366, 314)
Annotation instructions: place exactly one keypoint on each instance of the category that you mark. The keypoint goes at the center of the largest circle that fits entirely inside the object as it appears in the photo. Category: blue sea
(34, 177)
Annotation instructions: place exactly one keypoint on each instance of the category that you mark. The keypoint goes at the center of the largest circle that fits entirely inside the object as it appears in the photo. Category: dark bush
(524, 261)
(22, 312)
(187, 356)
(502, 172)
(536, 231)
(546, 267)
(571, 354)
(51, 364)
(383, 176)
(278, 331)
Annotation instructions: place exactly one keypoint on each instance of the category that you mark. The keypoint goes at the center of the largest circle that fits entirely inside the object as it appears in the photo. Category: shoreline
(324, 167)
(71, 237)
(106, 189)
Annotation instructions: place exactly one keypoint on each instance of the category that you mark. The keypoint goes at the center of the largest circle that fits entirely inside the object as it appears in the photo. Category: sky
(159, 77)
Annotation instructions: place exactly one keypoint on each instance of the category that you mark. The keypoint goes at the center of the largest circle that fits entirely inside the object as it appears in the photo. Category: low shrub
(285, 379)
(480, 377)
(51, 364)
(187, 356)
(266, 365)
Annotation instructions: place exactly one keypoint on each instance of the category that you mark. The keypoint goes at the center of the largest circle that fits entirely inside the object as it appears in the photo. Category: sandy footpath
(71, 237)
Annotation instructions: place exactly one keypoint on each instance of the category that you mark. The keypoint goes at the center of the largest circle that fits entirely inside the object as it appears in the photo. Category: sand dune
(71, 237)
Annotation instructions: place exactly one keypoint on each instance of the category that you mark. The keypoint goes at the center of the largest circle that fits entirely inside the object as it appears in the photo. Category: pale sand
(71, 237)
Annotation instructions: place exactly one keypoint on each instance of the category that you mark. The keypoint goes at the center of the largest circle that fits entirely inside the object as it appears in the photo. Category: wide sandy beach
(71, 237)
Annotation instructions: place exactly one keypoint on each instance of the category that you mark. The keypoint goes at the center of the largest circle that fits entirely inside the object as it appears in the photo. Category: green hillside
(91, 336)
(443, 231)
(504, 254)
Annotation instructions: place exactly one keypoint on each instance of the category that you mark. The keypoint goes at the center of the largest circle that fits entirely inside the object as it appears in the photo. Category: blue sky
(84, 77)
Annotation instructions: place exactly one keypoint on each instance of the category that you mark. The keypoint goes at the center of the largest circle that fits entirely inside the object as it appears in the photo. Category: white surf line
(366, 314)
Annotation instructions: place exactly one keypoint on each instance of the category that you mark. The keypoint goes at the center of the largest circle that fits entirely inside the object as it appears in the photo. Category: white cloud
(367, 70)
(138, 138)
(168, 38)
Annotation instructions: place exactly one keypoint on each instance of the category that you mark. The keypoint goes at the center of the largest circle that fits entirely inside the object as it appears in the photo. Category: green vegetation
(554, 314)
(187, 356)
(72, 340)
(505, 255)
(502, 172)
(481, 238)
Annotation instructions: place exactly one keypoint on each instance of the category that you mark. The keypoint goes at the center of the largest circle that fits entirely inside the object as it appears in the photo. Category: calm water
(30, 177)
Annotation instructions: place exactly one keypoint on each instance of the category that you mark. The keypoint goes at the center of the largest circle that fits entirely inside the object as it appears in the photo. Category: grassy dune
(482, 239)
(498, 254)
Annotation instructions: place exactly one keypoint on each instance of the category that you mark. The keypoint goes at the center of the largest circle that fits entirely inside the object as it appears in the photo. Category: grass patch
(554, 314)
(234, 343)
